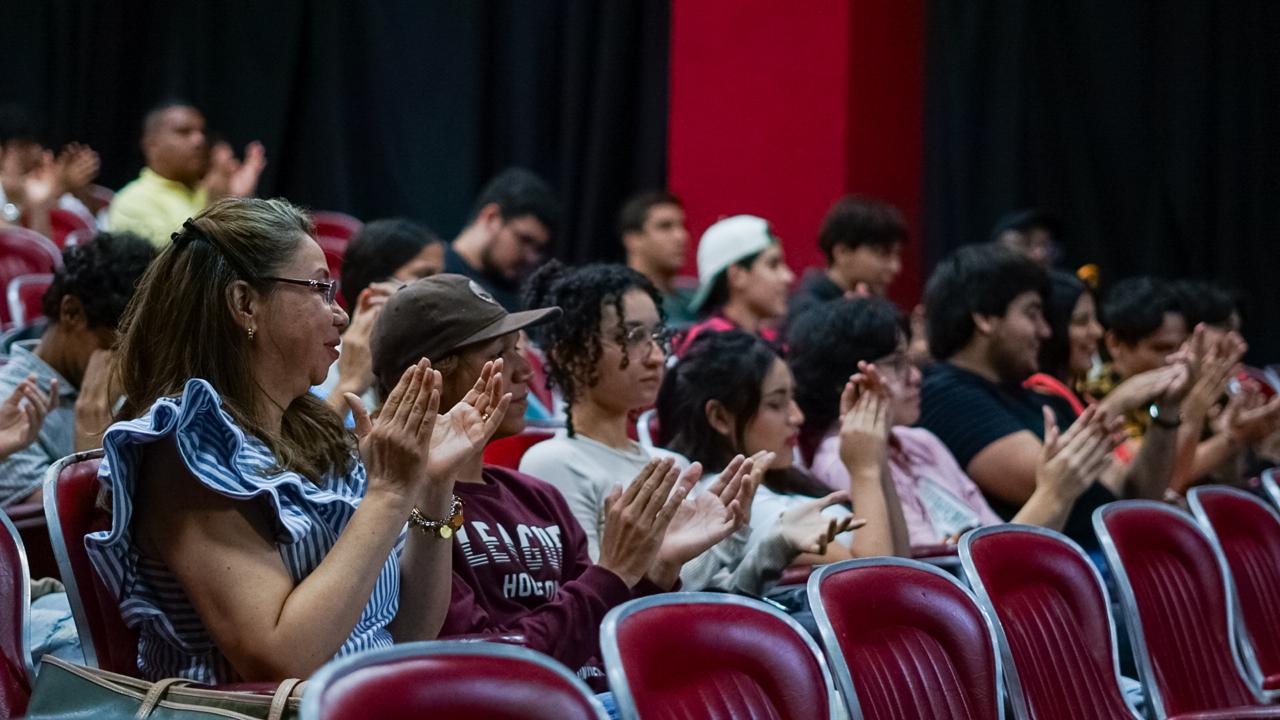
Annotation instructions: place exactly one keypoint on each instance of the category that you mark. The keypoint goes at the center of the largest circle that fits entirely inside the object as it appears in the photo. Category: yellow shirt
(154, 207)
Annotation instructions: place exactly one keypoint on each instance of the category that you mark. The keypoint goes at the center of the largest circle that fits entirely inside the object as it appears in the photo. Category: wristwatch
(1165, 419)
(443, 529)
(10, 212)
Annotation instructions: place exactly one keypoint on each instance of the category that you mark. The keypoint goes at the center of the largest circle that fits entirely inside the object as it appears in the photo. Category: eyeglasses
(326, 288)
(639, 337)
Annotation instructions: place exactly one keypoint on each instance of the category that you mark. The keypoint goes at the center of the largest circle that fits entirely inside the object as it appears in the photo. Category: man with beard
(507, 237)
(986, 323)
(184, 173)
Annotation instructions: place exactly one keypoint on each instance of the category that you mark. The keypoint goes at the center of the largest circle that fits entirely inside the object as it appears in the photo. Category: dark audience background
(376, 109)
(1150, 128)
(1153, 129)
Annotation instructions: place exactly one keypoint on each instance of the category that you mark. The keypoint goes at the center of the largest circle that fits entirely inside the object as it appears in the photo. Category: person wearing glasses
(607, 355)
(253, 537)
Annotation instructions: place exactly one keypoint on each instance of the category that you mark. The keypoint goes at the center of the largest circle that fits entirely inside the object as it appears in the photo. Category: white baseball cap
(725, 243)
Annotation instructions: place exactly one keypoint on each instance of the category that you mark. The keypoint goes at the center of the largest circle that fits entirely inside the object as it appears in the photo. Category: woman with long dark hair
(253, 536)
(732, 394)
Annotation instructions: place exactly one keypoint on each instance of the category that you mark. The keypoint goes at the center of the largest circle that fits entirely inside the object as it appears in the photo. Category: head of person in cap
(452, 321)
(742, 273)
(743, 279)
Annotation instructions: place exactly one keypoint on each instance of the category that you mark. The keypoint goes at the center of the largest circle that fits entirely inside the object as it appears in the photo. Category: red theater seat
(64, 222)
(444, 679)
(1271, 487)
(16, 673)
(70, 506)
(506, 452)
(712, 656)
(906, 640)
(335, 225)
(1178, 612)
(24, 252)
(28, 520)
(1247, 532)
(1052, 622)
(25, 296)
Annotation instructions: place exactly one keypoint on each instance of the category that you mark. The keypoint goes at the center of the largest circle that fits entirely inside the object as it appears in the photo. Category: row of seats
(28, 259)
(904, 638)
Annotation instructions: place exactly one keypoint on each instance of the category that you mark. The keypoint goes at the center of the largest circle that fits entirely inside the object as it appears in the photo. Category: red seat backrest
(24, 252)
(15, 589)
(1175, 601)
(28, 519)
(506, 452)
(63, 222)
(1248, 532)
(26, 297)
(714, 657)
(100, 198)
(905, 639)
(335, 225)
(449, 680)
(72, 511)
(1052, 620)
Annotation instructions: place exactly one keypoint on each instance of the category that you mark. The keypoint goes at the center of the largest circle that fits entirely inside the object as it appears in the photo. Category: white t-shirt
(585, 472)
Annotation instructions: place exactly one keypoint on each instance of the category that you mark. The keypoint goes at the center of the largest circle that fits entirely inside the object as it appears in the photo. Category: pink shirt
(937, 498)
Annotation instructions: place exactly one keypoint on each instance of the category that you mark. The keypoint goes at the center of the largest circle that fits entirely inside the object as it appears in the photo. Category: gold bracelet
(443, 529)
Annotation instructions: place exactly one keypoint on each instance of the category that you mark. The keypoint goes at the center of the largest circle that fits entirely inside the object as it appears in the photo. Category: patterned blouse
(173, 641)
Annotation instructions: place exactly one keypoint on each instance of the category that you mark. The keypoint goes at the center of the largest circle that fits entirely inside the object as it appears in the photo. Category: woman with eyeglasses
(253, 537)
(607, 355)
(939, 501)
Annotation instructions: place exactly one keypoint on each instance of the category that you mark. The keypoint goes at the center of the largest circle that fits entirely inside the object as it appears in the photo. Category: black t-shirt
(506, 292)
(968, 413)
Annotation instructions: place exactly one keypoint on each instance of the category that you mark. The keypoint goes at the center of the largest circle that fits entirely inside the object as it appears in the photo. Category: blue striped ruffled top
(173, 641)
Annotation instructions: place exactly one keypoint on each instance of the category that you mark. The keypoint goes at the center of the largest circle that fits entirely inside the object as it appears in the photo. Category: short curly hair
(102, 275)
(572, 341)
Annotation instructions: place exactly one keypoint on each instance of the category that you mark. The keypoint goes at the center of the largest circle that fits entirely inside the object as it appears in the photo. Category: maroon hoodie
(520, 565)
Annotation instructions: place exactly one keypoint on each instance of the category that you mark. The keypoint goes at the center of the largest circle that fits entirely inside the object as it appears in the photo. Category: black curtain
(376, 109)
(1152, 128)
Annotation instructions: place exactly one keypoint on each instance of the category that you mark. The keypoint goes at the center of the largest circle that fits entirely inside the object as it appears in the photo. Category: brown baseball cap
(435, 316)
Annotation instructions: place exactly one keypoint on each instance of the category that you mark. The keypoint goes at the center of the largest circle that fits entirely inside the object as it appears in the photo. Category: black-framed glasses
(639, 337)
(327, 288)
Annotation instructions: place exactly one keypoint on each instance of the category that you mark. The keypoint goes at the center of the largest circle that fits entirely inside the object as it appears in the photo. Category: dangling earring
(251, 332)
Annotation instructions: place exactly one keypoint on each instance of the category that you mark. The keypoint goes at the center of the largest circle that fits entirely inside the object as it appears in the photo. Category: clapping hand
(396, 446)
(22, 414)
(807, 530)
(864, 419)
(1070, 462)
(461, 433)
(636, 519)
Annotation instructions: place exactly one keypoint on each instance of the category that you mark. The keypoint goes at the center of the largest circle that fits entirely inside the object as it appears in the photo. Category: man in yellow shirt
(182, 176)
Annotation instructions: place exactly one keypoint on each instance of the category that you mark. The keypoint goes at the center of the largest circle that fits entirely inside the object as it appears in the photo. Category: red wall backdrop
(778, 108)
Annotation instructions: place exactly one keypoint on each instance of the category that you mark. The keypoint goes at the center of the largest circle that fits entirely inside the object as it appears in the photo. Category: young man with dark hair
(656, 240)
(84, 305)
(862, 240)
(508, 235)
(1145, 324)
(1031, 232)
(183, 174)
(986, 323)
